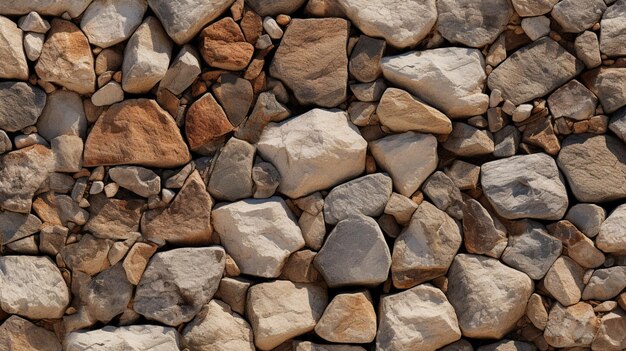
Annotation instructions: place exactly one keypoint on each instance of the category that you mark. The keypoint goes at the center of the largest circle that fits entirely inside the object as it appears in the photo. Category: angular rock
(306, 149)
(571, 326)
(611, 333)
(588, 49)
(309, 346)
(369, 92)
(205, 122)
(274, 7)
(564, 281)
(613, 30)
(365, 59)
(33, 43)
(467, 141)
(483, 233)
(63, 115)
(136, 261)
(66, 58)
(16, 226)
(139, 180)
(442, 192)
(473, 23)
(89, 255)
(587, 218)
(536, 311)
(44, 7)
(281, 310)
(22, 279)
(223, 45)
(606, 84)
(266, 180)
(18, 334)
(299, 268)
(401, 112)
(348, 318)
(130, 338)
(355, 253)
(592, 166)
(612, 235)
(21, 105)
(409, 158)
(235, 95)
(113, 218)
(421, 315)
(536, 27)
(575, 16)
(109, 94)
(481, 286)
(534, 71)
(233, 291)
(266, 109)
(68, 153)
(136, 132)
(146, 57)
(578, 246)
(401, 208)
(425, 248)
(106, 23)
(59, 209)
(525, 186)
(231, 178)
(528, 8)
(367, 196)
(177, 283)
(605, 284)
(574, 101)
(259, 234)
(185, 68)
(14, 65)
(508, 345)
(312, 61)
(107, 294)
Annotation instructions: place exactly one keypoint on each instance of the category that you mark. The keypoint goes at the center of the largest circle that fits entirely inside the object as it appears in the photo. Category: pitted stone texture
(129, 338)
(367, 195)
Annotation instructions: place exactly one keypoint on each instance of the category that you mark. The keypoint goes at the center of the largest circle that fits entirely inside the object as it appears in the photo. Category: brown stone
(205, 122)
(224, 46)
(579, 247)
(299, 268)
(349, 318)
(18, 334)
(401, 112)
(137, 260)
(482, 233)
(541, 133)
(252, 26)
(564, 281)
(136, 132)
(113, 218)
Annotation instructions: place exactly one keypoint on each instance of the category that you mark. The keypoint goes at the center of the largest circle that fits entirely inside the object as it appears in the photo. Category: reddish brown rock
(579, 247)
(136, 132)
(205, 122)
(224, 46)
(136, 261)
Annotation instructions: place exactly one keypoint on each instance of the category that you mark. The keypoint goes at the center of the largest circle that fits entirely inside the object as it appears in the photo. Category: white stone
(522, 112)
(129, 338)
(184, 70)
(14, 65)
(33, 43)
(272, 28)
(588, 218)
(108, 95)
(108, 22)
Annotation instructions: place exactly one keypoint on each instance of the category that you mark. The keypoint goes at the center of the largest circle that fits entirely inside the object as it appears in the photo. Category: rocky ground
(321, 175)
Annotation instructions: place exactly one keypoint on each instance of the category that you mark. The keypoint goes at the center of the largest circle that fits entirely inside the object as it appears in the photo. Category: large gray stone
(613, 30)
(63, 115)
(605, 284)
(571, 326)
(367, 195)
(607, 84)
(574, 101)
(530, 8)
(107, 294)
(473, 23)
(575, 16)
(183, 71)
(587, 218)
(21, 106)
(129, 338)
(44, 7)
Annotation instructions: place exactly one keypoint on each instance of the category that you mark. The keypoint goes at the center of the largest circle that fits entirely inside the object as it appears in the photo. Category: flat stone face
(473, 23)
(607, 86)
(18, 334)
(528, 8)
(574, 101)
(177, 283)
(348, 318)
(113, 218)
(306, 149)
(564, 281)
(131, 338)
(588, 218)
(259, 234)
(106, 23)
(613, 30)
(534, 71)
(21, 106)
(449, 79)
(482, 233)
(231, 178)
(185, 68)
(593, 166)
(482, 286)
(139, 180)
(605, 284)
(401, 112)
(406, 22)
(367, 195)
(612, 235)
(107, 294)
(14, 64)
(312, 61)
(15, 226)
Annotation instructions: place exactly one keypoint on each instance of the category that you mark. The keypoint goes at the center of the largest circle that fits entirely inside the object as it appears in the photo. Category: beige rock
(573, 100)
(611, 334)
(528, 8)
(605, 284)
(45, 7)
(606, 84)
(18, 334)
(564, 281)
(113, 218)
(365, 59)
(612, 30)
(108, 22)
(131, 338)
(136, 261)
(14, 65)
(401, 112)
(588, 49)
(109, 94)
(536, 311)
(233, 291)
(575, 16)
(299, 268)
(401, 208)
(68, 153)
(571, 326)
(348, 318)
(579, 248)
(468, 141)
(89, 255)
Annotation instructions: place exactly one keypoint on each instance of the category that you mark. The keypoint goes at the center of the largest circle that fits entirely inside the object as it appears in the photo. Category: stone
(483, 286)
(223, 45)
(421, 315)
(16, 226)
(365, 59)
(508, 345)
(606, 85)
(312, 61)
(183, 71)
(611, 332)
(576, 16)
(187, 219)
(177, 283)
(536, 311)
(272, 28)
(14, 65)
(534, 71)
(348, 318)
(113, 218)
(266, 180)
(309, 346)
(612, 29)
(425, 248)
(587, 218)
(299, 268)
(574, 101)
(463, 174)
(468, 141)
(21, 280)
(106, 23)
(401, 112)
(62, 115)
(369, 92)
(216, 327)
(26, 140)
(400, 207)
(405, 24)
(266, 109)
(306, 149)
(107, 294)
(21, 106)
(617, 123)
(525, 186)
(530, 249)
(449, 79)
(109, 94)
(578, 246)
(281, 310)
(442, 192)
(68, 153)
(139, 180)
(66, 58)
(33, 22)
(146, 57)
(344, 261)
(259, 234)
(205, 122)
(612, 235)
(126, 134)
(131, 338)
(536, 27)
(362, 113)
(528, 8)
(137, 260)
(409, 158)
(45, 7)
(367, 196)
(89, 255)
(22, 172)
(605, 284)
(235, 95)
(459, 345)
(5, 142)
(18, 334)
(471, 23)
(231, 178)
(233, 291)
(274, 7)
(590, 163)
(564, 281)
(588, 49)
(59, 209)
(483, 233)
(506, 141)
(33, 44)
(571, 326)
(182, 21)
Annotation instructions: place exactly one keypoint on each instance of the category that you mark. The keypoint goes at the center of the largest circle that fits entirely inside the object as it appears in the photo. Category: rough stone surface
(613, 30)
(442, 192)
(223, 46)
(274, 7)
(612, 235)
(564, 281)
(231, 178)
(483, 233)
(401, 112)
(44, 7)
(139, 180)
(588, 49)
(367, 195)
(106, 22)
(348, 318)
(588, 218)
(571, 326)
(235, 94)
(113, 218)
(184, 69)
(574, 101)
(365, 59)
(21, 106)
(14, 65)
(606, 84)
(468, 141)
(131, 338)
(18, 334)
(576, 16)
(528, 8)
(63, 115)
(205, 122)
(605, 284)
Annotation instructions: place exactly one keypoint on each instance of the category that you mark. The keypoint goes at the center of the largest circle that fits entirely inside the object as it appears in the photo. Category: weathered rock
(508, 345)
(266, 180)
(33, 43)
(587, 218)
(309, 346)
(32, 22)
(113, 218)
(536, 311)
(534, 71)
(216, 327)
(571, 326)
(425, 248)
(183, 21)
(472, 23)
(468, 141)
(259, 234)
(62, 115)
(592, 166)
(400, 207)
(530, 249)
(281, 310)
(483, 233)
(66, 58)
(606, 84)
(576, 16)
(136, 132)
(266, 109)
(68, 153)
(18, 334)
(312, 61)
(16, 226)
(137, 260)
(536, 27)
(574, 101)
(564, 281)
(348, 318)
(223, 45)
(408, 157)
(613, 29)
(483, 286)
(367, 195)
(231, 178)
(611, 333)
(579, 247)
(185, 68)
(22, 279)
(442, 192)
(588, 49)
(146, 57)
(605, 284)
(131, 338)
(365, 59)
(401, 112)
(369, 92)
(59, 209)
(528, 8)
(107, 294)
(44, 7)
(299, 268)
(612, 235)
(233, 291)
(526, 186)
(449, 79)
(306, 149)
(235, 95)
(106, 23)
(89, 255)
(139, 180)
(109, 94)
(422, 315)
(274, 7)
(177, 283)
(205, 122)
(21, 106)
(14, 65)
(355, 253)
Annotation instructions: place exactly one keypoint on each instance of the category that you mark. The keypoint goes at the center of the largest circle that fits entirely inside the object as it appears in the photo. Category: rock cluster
(312, 175)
